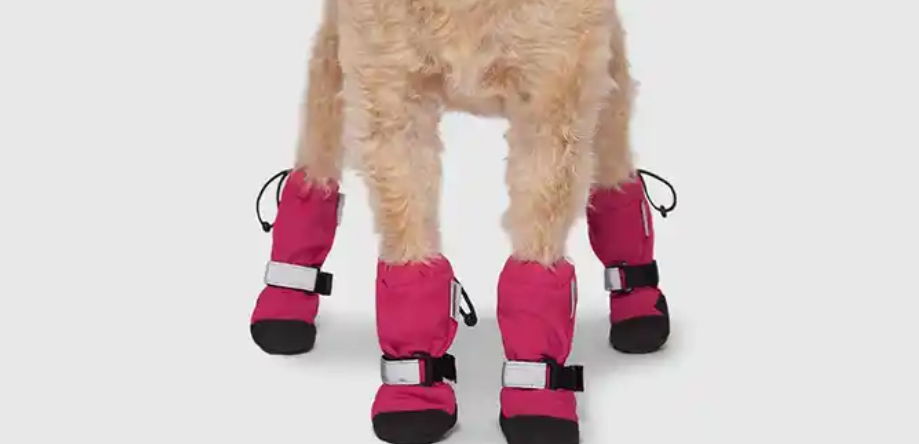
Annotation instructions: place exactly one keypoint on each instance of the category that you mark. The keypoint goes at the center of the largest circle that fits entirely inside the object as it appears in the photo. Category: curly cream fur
(383, 72)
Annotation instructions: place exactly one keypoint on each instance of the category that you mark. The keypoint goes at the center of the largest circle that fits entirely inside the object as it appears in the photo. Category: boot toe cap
(415, 427)
(641, 335)
(284, 336)
(539, 430)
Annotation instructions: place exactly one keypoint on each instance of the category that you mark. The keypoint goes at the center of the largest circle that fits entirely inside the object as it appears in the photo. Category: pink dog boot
(283, 322)
(536, 314)
(418, 306)
(622, 236)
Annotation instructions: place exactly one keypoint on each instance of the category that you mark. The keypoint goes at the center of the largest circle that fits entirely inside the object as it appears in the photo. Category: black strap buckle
(323, 283)
(435, 370)
(622, 278)
(570, 378)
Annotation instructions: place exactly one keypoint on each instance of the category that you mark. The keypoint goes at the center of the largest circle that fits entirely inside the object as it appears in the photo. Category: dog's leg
(391, 121)
(283, 321)
(320, 150)
(553, 117)
(612, 145)
(621, 226)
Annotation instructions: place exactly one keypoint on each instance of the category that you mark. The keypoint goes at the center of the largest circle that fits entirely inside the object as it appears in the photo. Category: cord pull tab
(470, 318)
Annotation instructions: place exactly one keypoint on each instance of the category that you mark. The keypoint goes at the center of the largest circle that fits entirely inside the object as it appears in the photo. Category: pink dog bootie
(621, 233)
(418, 306)
(283, 321)
(536, 314)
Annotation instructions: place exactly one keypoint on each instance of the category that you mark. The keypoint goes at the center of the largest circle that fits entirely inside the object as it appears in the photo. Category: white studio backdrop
(134, 137)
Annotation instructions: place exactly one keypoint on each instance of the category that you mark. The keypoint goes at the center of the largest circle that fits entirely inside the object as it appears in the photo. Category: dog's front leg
(563, 77)
(391, 123)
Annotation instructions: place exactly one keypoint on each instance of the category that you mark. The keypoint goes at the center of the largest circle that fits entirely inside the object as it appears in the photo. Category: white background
(134, 136)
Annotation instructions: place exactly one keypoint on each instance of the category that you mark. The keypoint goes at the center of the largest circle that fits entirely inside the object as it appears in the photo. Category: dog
(381, 75)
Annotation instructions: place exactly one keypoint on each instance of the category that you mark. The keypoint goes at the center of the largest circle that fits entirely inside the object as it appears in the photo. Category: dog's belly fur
(461, 43)
(469, 51)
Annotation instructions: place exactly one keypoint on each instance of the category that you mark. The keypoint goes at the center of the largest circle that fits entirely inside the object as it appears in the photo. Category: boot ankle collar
(280, 177)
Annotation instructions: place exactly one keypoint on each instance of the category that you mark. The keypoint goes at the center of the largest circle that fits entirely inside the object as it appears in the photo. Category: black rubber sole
(539, 430)
(283, 336)
(642, 335)
(418, 427)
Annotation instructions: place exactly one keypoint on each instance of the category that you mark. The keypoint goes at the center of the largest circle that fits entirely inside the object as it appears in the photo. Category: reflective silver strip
(279, 274)
(339, 212)
(456, 298)
(574, 297)
(407, 372)
(612, 279)
(644, 219)
(524, 375)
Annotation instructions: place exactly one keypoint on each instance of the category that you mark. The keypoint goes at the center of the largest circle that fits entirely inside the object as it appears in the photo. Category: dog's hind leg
(621, 226)
(563, 77)
(611, 145)
(320, 149)
(283, 321)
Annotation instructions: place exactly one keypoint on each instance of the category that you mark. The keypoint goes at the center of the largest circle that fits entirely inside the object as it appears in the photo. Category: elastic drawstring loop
(660, 208)
(280, 176)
